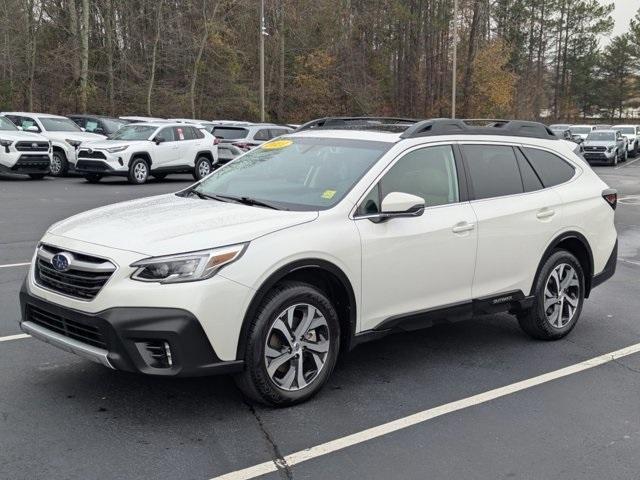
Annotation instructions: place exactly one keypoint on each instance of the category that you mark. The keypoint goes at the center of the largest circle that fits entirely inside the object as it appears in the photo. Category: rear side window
(197, 133)
(276, 132)
(530, 179)
(493, 170)
(551, 169)
(263, 134)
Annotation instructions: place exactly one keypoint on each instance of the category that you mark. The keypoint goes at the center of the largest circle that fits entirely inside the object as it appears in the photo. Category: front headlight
(6, 144)
(610, 148)
(186, 267)
(117, 149)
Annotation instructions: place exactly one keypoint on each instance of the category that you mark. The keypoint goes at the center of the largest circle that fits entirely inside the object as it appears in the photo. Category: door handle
(463, 227)
(545, 213)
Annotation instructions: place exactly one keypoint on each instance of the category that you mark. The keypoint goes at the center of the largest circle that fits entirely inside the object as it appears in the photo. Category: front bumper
(25, 163)
(102, 162)
(119, 338)
(598, 156)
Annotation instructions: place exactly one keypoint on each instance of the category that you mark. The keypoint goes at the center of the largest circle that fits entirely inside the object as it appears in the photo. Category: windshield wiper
(226, 198)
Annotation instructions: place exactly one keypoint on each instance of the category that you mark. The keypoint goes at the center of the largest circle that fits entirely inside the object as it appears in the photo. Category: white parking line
(627, 163)
(14, 337)
(10, 265)
(420, 417)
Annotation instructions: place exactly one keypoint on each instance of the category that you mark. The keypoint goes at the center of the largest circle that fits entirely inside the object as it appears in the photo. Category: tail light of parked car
(611, 197)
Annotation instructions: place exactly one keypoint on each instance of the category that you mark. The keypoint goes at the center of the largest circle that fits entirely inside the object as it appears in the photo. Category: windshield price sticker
(277, 144)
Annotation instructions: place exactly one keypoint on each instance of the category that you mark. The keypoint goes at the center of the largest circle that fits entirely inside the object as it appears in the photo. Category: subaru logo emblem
(62, 261)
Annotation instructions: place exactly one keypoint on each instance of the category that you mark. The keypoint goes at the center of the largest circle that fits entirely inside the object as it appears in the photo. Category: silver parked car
(606, 146)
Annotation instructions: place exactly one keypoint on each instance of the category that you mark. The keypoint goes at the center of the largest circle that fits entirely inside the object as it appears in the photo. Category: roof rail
(449, 126)
(359, 123)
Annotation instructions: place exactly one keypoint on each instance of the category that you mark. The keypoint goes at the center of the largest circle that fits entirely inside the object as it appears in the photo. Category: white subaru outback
(142, 149)
(317, 241)
(23, 152)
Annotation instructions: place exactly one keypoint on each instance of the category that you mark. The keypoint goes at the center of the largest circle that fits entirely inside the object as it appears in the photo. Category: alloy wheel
(561, 295)
(140, 171)
(56, 165)
(297, 347)
(204, 169)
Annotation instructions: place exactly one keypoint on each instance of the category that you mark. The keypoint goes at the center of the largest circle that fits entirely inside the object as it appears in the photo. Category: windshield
(581, 130)
(59, 125)
(600, 136)
(627, 130)
(228, 133)
(134, 132)
(296, 173)
(558, 132)
(559, 126)
(5, 124)
(113, 125)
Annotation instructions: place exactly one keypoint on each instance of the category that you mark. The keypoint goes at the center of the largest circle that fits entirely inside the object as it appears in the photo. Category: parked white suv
(64, 134)
(320, 240)
(23, 152)
(138, 150)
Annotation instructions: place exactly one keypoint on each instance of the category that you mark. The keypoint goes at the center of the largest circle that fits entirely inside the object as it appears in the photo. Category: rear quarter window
(551, 169)
(493, 170)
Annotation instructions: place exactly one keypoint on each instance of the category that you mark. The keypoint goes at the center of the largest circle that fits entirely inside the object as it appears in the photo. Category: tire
(159, 176)
(626, 155)
(282, 386)
(138, 171)
(550, 323)
(37, 176)
(614, 162)
(59, 164)
(93, 177)
(202, 168)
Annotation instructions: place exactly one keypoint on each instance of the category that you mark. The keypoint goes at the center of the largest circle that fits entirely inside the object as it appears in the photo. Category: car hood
(104, 144)
(18, 136)
(79, 136)
(169, 224)
(595, 143)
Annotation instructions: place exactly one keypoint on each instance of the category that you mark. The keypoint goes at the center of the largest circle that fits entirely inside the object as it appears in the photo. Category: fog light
(156, 353)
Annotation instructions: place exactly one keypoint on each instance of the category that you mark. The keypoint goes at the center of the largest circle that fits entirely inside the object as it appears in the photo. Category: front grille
(84, 278)
(32, 163)
(91, 154)
(78, 331)
(595, 149)
(92, 166)
(32, 146)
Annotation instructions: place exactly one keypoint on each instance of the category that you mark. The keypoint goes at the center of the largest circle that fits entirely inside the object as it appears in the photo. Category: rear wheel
(202, 168)
(37, 176)
(138, 171)
(93, 178)
(292, 346)
(59, 164)
(559, 294)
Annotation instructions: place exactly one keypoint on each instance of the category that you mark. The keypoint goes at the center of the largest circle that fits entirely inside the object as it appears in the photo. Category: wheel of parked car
(292, 345)
(559, 293)
(614, 162)
(202, 168)
(138, 171)
(37, 176)
(93, 178)
(59, 165)
(626, 155)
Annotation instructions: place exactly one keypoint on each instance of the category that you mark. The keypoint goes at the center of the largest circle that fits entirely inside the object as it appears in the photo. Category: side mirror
(159, 140)
(399, 204)
(32, 128)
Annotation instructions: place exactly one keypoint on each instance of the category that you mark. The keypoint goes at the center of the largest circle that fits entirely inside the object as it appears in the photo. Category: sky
(624, 11)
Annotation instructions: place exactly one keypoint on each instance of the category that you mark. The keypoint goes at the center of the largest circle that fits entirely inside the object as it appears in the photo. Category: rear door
(517, 217)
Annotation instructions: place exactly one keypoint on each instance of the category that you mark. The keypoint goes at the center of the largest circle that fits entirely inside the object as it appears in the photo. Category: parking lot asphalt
(62, 417)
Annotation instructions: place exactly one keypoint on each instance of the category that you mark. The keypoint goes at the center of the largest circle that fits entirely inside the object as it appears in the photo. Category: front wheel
(59, 164)
(292, 346)
(614, 162)
(138, 171)
(202, 168)
(558, 298)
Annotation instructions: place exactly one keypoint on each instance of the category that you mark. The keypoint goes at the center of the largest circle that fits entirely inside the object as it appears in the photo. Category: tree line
(200, 58)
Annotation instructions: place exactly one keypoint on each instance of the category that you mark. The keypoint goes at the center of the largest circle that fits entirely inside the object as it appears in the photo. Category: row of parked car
(38, 144)
(602, 143)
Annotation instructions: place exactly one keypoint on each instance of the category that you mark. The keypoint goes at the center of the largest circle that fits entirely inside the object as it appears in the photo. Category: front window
(5, 124)
(581, 130)
(134, 132)
(113, 126)
(59, 125)
(600, 136)
(627, 130)
(296, 173)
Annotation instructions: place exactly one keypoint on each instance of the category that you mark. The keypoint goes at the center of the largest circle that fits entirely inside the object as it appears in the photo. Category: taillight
(242, 146)
(610, 196)
(216, 140)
